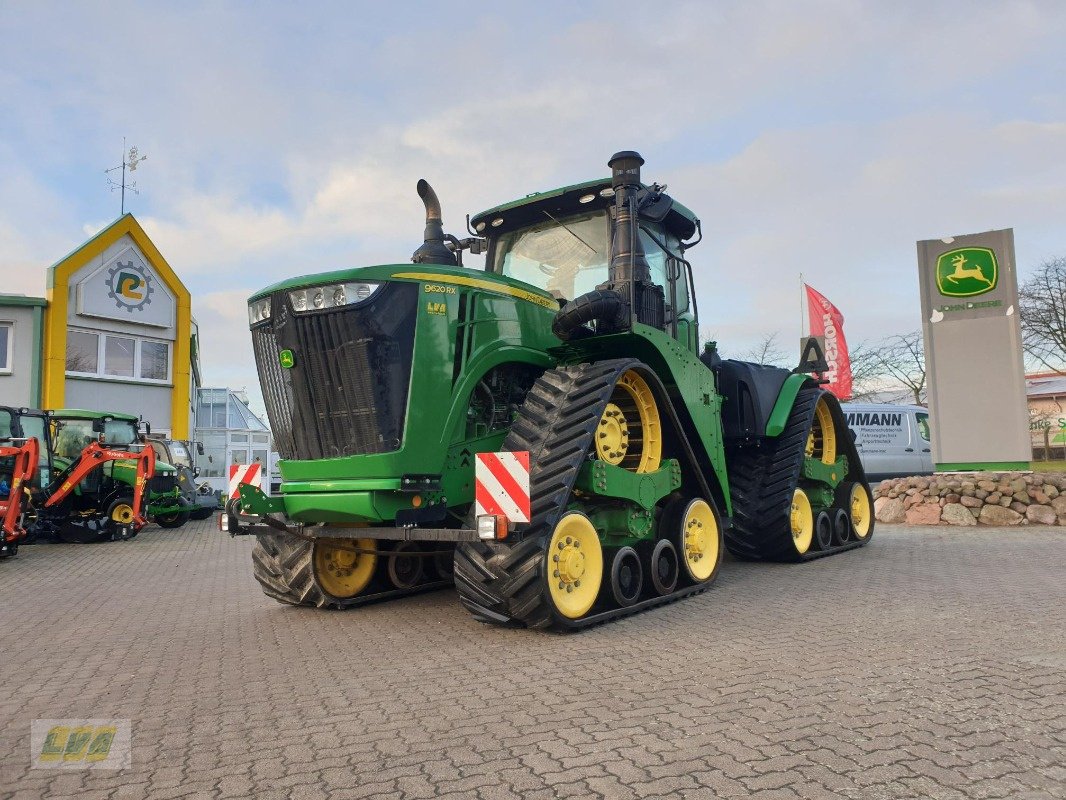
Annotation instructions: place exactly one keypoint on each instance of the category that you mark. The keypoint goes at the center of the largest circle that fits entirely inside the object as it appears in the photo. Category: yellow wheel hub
(822, 440)
(701, 540)
(575, 565)
(860, 511)
(801, 521)
(629, 433)
(340, 570)
(612, 435)
(122, 514)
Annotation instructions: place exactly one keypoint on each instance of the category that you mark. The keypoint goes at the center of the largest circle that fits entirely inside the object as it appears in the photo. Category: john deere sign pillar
(973, 352)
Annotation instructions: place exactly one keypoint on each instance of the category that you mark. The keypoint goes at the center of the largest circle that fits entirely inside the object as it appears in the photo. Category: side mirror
(99, 425)
(200, 448)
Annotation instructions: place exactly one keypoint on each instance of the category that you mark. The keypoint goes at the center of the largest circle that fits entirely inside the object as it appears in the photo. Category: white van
(892, 440)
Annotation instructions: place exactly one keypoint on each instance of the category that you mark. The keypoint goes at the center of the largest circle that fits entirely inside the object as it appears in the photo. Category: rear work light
(491, 526)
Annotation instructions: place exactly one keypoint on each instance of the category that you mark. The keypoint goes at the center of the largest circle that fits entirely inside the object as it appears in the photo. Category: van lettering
(866, 419)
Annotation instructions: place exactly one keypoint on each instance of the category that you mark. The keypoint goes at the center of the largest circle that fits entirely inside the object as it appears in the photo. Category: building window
(154, 361)
(118, 356)
(108, 355)
(83, 352)
(5, 346)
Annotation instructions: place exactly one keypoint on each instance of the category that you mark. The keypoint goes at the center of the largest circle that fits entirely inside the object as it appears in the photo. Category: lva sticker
(967, 272)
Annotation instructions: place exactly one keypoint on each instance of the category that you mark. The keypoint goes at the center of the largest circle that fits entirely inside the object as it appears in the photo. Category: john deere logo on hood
(966, 272)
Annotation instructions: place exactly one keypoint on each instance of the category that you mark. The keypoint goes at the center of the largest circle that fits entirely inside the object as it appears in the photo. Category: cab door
(922, 440)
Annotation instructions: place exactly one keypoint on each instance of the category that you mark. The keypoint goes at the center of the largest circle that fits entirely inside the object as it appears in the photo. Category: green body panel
(821, 480)
(507, 322)
(601, 479)
(832, 475)
(783, 407)
(619, 525)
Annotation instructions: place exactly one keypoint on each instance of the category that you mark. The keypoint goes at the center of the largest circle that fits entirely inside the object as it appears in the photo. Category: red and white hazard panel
(251, 474)
(502, 485)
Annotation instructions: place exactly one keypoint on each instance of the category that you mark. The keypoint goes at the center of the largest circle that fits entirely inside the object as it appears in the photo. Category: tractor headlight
(332, 296)
(258, 310)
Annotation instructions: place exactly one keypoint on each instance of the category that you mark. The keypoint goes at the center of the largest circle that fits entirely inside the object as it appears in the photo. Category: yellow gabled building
(118, 331)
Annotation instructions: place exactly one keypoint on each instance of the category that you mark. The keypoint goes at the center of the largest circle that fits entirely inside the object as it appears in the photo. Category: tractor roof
(567, 200)
(81, 413)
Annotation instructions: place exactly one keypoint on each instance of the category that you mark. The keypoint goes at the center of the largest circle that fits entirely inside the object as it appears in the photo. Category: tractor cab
(17, 424)
(561, 242)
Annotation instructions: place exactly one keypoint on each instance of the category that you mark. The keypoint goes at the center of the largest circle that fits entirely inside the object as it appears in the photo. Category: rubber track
(283, 566)
(762, 481)
(503, 583)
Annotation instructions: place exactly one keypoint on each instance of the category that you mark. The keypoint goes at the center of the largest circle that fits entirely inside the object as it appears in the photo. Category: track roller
(841, 526)
(405, 566)
(627, 577)
(801, 522)
(696, 532)
(663, 566)
(856, 499)
(823, 530)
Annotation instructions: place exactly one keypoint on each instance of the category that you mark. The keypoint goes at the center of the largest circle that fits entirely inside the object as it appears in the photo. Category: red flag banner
(826, 320)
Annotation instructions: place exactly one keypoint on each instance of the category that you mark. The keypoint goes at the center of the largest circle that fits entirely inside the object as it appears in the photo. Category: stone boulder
(889, 510)
(997, 515)
(925, 514)
(957, 514)
(1041, 515)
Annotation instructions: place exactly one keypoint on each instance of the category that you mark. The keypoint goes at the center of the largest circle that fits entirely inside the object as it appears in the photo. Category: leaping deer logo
(962, 271)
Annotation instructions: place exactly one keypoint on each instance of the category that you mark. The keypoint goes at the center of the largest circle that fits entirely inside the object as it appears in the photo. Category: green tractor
(578, 346)
(111, 488)
(201, 501)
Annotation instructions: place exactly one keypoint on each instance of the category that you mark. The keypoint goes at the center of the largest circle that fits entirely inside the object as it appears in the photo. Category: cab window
(566, 257)
(5, 424)
(923, 425)
(660, 262)
(180, 455)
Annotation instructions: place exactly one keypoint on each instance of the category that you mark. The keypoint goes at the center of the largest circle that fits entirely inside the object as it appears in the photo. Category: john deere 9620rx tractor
(576, 344)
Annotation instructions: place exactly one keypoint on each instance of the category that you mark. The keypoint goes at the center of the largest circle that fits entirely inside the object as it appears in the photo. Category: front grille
(346, 392)
(161, 484)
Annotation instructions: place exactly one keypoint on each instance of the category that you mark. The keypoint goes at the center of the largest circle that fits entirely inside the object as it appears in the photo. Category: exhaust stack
(433, 249)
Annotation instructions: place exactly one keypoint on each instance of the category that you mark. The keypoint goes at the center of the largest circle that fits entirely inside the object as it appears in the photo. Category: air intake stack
(630, 274)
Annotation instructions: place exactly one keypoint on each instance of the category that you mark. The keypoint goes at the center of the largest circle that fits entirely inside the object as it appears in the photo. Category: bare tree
(897, 361)
(768, 351)
(867, 375)
(1043, 315)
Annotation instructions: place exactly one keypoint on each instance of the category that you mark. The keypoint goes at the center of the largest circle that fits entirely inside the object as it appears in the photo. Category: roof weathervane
(130, 160)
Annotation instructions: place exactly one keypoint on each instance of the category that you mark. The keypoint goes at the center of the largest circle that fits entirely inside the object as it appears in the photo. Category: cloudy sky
(820, 137)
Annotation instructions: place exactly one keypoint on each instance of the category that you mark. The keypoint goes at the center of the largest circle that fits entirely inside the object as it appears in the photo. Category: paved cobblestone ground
(929, 664)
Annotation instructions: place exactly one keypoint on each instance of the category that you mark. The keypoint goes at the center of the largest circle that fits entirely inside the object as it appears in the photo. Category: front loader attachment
(11, 508)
